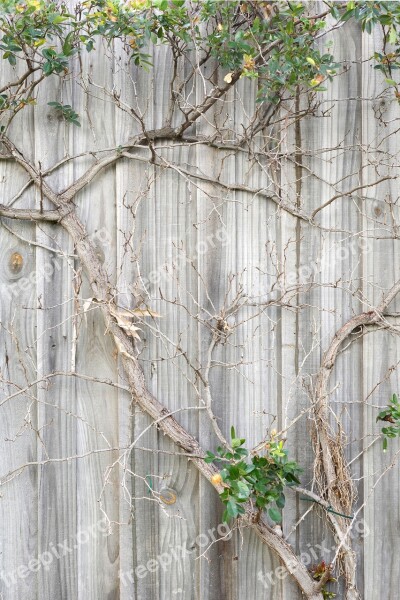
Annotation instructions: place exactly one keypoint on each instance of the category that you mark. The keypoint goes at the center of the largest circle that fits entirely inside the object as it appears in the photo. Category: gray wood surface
(113, 508)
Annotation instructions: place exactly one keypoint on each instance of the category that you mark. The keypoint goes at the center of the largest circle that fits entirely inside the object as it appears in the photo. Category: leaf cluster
(391, 414)
(67, 112)
(386, 15)
(273, 42)
(319, 571)
(255, 478)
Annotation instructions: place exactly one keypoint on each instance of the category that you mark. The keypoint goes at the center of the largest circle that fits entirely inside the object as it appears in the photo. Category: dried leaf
(125, 314)
(131, 330)
(87, 304)
(85, 307)
(124, 320)
(120, 347)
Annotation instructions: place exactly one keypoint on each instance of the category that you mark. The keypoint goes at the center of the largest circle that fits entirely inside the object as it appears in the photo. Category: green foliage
(254, 40)
(286, 35)
(273, 42)
(259, 479)
(319, 571)
(387, 16)
(391, 415)
(67, 112)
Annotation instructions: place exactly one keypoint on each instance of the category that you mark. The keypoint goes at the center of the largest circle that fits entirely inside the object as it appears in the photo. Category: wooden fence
(81, 515)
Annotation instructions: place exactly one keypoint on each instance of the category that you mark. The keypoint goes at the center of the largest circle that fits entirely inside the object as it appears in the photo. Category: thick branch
(148, 403)
(26, 214)
(104, 294)
(326, 442)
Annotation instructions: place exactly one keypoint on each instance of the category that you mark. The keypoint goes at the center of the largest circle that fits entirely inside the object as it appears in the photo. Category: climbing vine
(281, 44)
(261, 480)
(283, 50)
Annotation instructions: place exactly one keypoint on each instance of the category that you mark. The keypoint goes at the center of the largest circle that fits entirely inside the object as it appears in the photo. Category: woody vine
(282, 49)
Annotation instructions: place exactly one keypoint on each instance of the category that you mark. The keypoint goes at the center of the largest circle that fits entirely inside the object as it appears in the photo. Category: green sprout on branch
(391, 414)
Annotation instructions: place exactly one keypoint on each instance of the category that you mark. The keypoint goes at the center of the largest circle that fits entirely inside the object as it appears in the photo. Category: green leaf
(240, 452)
(385, 444)
(236, 442)
(233, 433)
(160, 4)
(48, 53)
(209, 457)
(232, 508)
(348, 14)
(291, 479)
(281, 501)
(275, 515)
(382, 414)
(59, 19)
(260, 487)
(243, 489)
(335, 13)
(233, 472)
(261, 502)
(224, 474)
(67, 45)
(47, 68)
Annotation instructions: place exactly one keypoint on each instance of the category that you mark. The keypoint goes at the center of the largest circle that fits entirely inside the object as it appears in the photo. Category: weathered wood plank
(18, 440)
(381, 350)
(202, 245)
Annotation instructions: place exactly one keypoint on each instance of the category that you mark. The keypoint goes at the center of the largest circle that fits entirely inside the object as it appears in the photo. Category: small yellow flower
(216, 479)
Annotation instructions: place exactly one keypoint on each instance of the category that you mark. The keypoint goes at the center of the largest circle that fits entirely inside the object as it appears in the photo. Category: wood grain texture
(199, 240)
(380, 349)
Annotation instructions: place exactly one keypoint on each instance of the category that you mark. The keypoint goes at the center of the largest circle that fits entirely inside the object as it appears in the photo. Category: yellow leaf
(228, 78)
